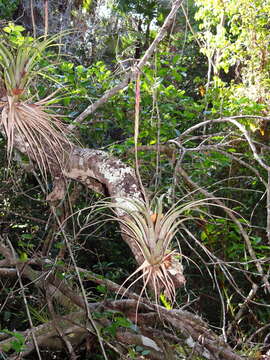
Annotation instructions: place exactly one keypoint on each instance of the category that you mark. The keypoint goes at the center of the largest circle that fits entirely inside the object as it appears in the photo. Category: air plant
(153, 230)
(43, 133)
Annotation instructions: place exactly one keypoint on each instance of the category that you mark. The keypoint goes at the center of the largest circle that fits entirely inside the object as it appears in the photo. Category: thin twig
(136, 132)
(62, 335)
(89, 316)
(268, 207)
(46, 23)
(25, 303)
(33, 19)
(242, 308)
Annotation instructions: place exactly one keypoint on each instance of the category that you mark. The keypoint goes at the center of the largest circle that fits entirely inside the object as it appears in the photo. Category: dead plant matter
(45, 136)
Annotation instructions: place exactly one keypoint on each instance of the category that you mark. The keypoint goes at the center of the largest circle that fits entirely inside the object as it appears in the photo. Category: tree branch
(132, 74)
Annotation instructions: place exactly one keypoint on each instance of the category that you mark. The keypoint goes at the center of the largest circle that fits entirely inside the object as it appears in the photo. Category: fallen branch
(194, 333)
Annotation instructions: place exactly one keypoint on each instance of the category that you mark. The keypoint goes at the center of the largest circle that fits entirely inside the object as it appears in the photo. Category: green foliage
(15, 34)
(235, 37)
(19, 57)
(148, 8)
(118, 321)
(165, 302)
(162, 83)
(137, 351)
(175, 95)
(17, 345)
(7, 8)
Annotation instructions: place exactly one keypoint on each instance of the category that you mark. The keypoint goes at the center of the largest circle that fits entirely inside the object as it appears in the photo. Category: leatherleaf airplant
(153, 230)
(41, 130)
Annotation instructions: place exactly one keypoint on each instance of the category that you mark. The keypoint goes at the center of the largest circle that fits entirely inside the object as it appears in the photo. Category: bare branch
(134, 71)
